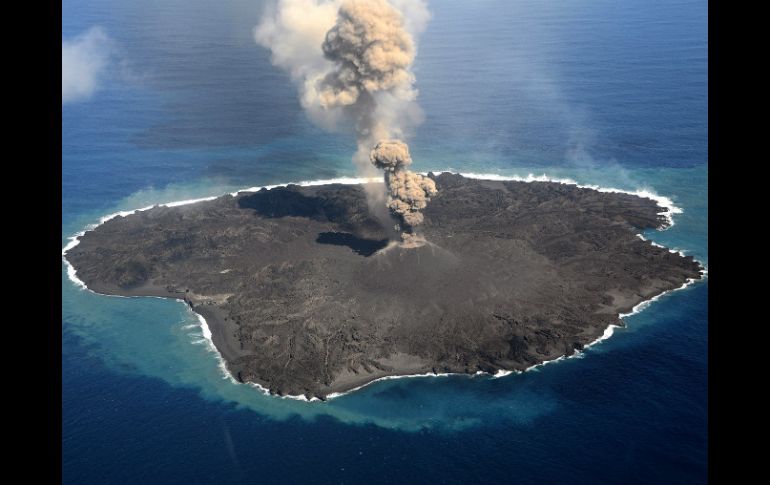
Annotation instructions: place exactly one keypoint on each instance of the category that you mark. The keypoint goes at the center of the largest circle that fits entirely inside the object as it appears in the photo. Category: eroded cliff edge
(304, 295)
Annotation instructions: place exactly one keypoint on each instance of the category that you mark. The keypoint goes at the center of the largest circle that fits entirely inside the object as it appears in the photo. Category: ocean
(605, 93)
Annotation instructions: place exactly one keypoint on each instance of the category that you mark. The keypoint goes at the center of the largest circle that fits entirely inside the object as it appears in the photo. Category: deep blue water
(607, 93)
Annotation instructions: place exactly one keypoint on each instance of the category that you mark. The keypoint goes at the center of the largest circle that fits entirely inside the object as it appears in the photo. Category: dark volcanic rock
(304, 295)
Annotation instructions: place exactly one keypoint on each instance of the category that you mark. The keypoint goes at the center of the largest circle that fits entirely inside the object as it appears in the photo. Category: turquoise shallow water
(602, 93)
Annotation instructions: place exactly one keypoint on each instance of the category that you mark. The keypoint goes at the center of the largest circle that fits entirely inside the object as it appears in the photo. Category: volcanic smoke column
(373, 53)
(352, 60)
(408, 192)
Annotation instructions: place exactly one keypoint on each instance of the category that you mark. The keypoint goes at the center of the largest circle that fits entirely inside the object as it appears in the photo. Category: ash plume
(408, 192)
(351, 60)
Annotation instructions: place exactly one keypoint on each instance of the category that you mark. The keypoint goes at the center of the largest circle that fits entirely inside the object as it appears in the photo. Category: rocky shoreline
(305, 294)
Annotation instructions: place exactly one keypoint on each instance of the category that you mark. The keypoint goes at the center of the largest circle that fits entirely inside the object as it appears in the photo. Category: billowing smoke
(372, 53)
(352, 62)
(408, 192)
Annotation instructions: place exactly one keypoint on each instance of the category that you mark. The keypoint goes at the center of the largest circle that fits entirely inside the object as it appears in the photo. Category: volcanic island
(306, 293)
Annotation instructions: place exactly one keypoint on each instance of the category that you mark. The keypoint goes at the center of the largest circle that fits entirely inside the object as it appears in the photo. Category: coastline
(578, 354)
(661, 201)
